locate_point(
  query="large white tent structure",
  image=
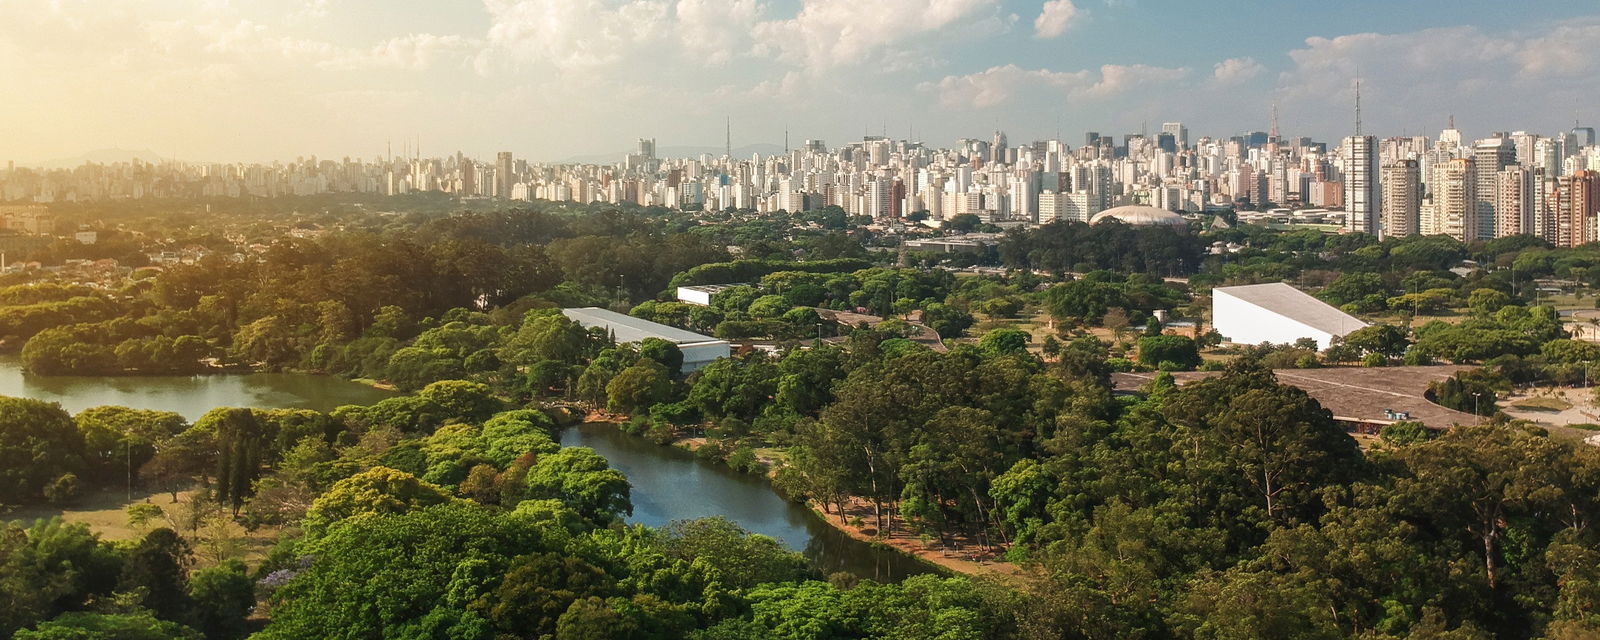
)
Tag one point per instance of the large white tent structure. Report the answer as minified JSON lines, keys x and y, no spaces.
{"x":1276,"y":313}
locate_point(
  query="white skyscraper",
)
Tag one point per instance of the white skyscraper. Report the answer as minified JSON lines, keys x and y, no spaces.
{"x":1361,"y":194}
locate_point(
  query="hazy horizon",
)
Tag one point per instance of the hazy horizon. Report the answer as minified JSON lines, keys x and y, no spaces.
{"x":253,"y":80}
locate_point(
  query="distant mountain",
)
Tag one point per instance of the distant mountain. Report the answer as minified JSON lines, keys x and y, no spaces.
{"x":100,"y":156}
{"x":763,"y":148}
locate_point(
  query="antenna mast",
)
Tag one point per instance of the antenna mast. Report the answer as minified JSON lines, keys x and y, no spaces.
{"x":1358,"y":103}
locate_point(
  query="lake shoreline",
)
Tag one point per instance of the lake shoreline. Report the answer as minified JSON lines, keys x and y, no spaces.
{"x":903,"y":542}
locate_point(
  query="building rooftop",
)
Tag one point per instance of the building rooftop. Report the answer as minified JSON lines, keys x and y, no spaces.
{"x":1298,"y":305}
{"x":626,"y":328}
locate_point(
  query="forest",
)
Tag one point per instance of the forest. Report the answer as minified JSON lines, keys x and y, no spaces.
{"x":1234,"y":507}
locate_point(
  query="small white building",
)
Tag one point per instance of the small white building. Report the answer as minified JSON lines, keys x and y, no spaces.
{"x":698,"y":350}
{"x":1276,"y":313}
{"x":700,"y":294}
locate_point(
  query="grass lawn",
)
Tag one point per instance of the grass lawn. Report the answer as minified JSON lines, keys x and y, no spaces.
{"x":105,"y":511}
{"x":1543,"y":404}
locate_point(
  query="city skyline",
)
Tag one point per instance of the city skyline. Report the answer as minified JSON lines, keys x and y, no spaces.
{"x":206,"y":80}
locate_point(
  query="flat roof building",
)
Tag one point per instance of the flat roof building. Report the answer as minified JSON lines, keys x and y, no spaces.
{"x":698,"y":350}
{"x":701,"y":293}
{"x":1276,"y":313}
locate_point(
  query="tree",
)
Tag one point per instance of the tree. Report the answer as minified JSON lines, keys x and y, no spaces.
{"x":118,"y":439}
{"x":743,"y":559}
{"x":663,"y":352}
{"x":639,"y":386}
{"x":1005,"y":342}
{"x":1487,"y":301}
{"x":223,"y":597}
{"x":539,"y":587}
{"x":49,"y":568}
{"x":1383,"y":339}
{"x":158,"y":567}
{"x":462,"y":400}
{"x":1478,"y":481}
{"x":243,"y":449}
{"x":379,"y":490}
{"x":581,"y":478}
{"x":1282,"y":445}
{"x":83,"y":625}
{"x":39,"y":445}
{"x":1180,"y":351}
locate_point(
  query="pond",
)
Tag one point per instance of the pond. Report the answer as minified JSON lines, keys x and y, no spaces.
{"x":189,"y":396}
{"x":670,"y":484}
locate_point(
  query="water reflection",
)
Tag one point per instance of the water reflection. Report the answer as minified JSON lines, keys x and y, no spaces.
{"x":670,"y":484}
{"x":189,"y":396}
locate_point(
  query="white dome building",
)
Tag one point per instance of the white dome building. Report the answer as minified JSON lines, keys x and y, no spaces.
{"x":1142,"y":216}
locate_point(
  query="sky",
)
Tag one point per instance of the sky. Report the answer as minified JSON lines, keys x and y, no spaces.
{"x":261,"y":80}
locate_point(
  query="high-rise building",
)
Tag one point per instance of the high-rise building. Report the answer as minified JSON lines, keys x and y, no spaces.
{"x":1575,"y":200}
{"x":997,"y":148}
{"x":1489,"y":157}
{"x":1180,"y":133}
{"x":1361,"y":194}
{"x":1452,"y":208}
{"x":1402,"y":199}
{"x":1513,"y":201}
{"x":1585,"y":135}
{"x":503,"y":175}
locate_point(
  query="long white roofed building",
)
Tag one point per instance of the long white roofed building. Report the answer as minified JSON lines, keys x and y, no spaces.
{"x":698,"y":350}
{"x":1276,"y":313}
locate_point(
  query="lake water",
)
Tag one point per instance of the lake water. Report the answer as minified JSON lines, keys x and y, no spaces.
{"x":670,"y":484}
{"x":189,"y":396}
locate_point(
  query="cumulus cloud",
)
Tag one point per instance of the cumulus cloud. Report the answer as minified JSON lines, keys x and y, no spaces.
{"x":1054,"y":18}
{"x":997,"y":85}
{"x":1236,"y":70}
{"x":834,"y":33}
{"x":1116,"y":78}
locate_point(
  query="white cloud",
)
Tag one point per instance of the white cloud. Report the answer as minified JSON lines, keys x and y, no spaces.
{"x":833,"y":33}
{"x":576,"y":34}
{"x":1116,"y":79}
{"x":997,"y":85}
{"x":1054,"y":18}
{"x":1236,"y":70}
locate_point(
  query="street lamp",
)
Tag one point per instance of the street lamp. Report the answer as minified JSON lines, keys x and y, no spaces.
{"x":1476,"y":397}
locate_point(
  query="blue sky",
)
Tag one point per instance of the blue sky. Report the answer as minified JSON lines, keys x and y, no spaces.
{"x":548,"y":79}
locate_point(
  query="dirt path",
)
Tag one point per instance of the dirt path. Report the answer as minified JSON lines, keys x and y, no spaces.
{"x":964,"y":556}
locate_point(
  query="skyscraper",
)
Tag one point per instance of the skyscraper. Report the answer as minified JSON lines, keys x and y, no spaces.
{"x":1361,"y":196}
{"x":1489,"y":157}
{"x":1402,"y":199}
{"x":1180,"y":133}
{"x":1576,"y":200}
{"x":502,"y":175}
{"x":1513,"y":201}
{"x":1452,"y":209}
{"x":997,"y":149}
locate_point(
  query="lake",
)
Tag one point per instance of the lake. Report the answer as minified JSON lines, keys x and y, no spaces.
{"x":670,"y":484}
{"x":189,"y":396}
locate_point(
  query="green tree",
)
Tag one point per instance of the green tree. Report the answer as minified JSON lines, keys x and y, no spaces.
{"x":1178,"y":350}
{"x":158,"y":568}
{"x":1005,"y":342}
{"x":39,"y":445}
{"x":223,"y":597}
{"x":462,"y":400}
{"x":581,"y":479}
{"x":638,"y":387}
{"x":379,"y":490}
{"x":83,"y":625}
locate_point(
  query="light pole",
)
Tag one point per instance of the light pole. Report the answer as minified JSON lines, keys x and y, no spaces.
{"x":1477,"y":396}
